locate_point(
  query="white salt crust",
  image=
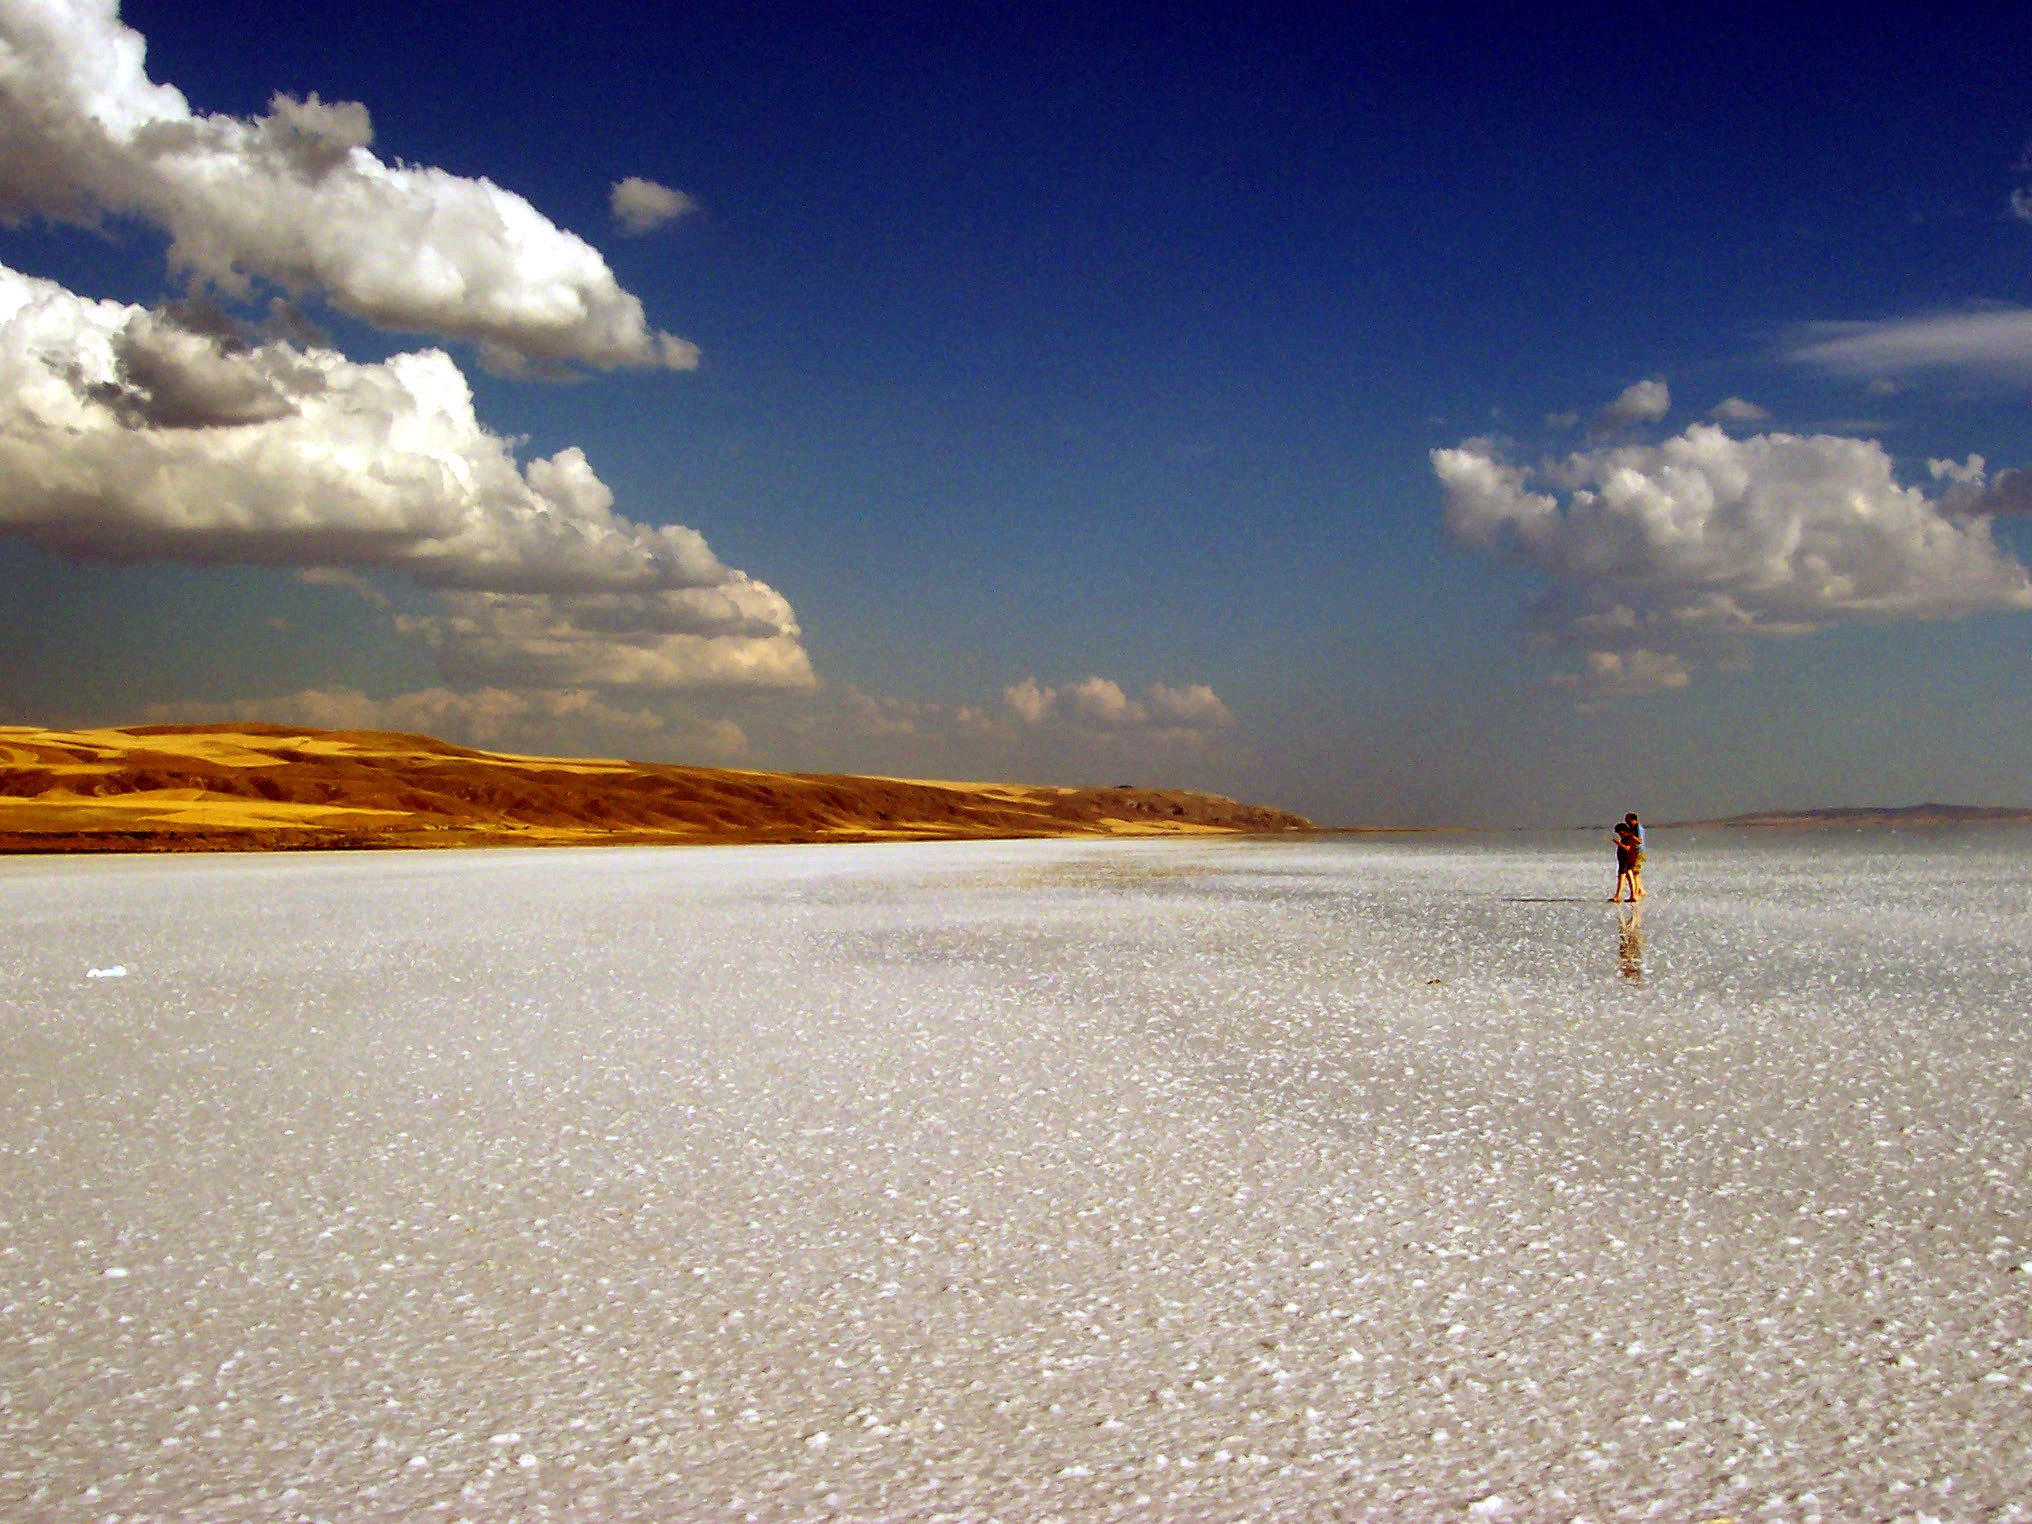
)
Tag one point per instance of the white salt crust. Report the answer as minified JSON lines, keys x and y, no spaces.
{"x":1234,"y":1180}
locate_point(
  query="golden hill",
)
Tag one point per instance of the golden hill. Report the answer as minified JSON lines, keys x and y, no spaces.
{"x":242,"y":787}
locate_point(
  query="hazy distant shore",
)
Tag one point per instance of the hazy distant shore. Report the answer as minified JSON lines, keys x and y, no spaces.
{"x":1866,"y":818}
{"x":255,"y":787}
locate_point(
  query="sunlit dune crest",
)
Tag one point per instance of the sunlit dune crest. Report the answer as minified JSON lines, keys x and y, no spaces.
{"x":252,"y":786}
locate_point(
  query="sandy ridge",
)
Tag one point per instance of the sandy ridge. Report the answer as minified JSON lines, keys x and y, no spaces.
{"x":250,"y":786}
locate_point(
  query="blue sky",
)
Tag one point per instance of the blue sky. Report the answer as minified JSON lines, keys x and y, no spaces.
{"x":1066,"y":396}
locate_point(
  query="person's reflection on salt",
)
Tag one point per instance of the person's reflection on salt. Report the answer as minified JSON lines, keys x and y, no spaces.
{"x":1630,"y":948}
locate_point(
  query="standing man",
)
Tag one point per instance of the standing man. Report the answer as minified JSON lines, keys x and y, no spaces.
{"x":1625,"y":843}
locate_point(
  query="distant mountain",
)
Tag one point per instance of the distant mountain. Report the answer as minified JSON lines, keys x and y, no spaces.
{"x":255,"y":787}
{"x":1867,"y":819}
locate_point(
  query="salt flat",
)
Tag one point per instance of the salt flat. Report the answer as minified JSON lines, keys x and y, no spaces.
{"x":1270,"y":1180}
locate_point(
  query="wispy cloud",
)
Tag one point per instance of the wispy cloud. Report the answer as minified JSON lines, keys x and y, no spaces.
{"x":1738,"y":410}
{"x":1994,"y":342}
{"x":352,"y":581}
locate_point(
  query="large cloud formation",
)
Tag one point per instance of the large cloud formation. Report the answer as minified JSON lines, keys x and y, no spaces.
{"x":1658,"y":557}
{"x":296,"y":197}
{"x":126,"y":434}
{"x":182,"y":434}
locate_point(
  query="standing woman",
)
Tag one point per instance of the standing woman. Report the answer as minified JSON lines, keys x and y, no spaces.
{"x":1636,"y":831}
{"x":1625,"y":841}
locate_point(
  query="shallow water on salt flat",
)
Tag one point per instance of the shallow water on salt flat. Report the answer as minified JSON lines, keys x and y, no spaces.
{"x":1371,"y":1177}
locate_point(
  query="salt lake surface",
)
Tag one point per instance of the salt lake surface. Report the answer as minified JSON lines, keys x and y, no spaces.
{"x":1372,"y":1178}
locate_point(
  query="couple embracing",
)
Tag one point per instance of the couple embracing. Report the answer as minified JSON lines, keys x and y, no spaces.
{"x":1629,"y":839}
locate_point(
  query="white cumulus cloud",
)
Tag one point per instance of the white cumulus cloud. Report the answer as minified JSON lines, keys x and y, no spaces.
{"x":1194,"y":705}
{"x":1030,"y":701}
{"x":125,"y":436}
{"x":1098,"y":705}
{"x":641,"y":205}
{"x":1663,"y":556}
{"x":297,"y":197}
{"x":1639,"y":402}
